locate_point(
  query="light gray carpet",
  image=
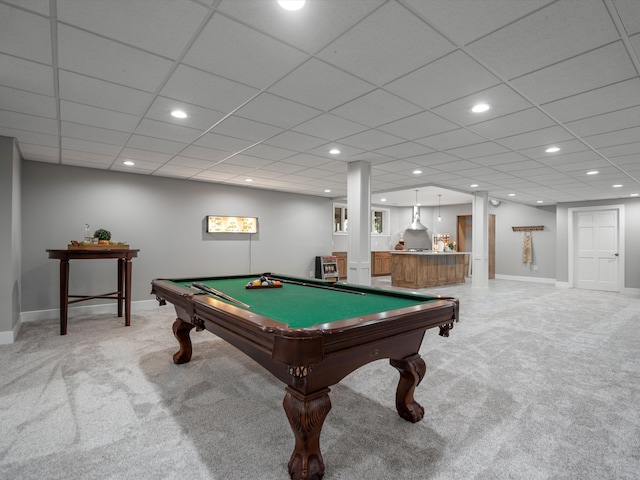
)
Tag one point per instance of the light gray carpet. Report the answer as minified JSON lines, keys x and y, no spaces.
{"x":535,"y":382}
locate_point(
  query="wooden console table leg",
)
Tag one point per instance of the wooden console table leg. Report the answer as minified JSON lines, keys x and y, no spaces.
{"x":121,"y":285}
{"x":412,"y":370}
{"x":306,"y":414}
{"x":64,"y":295}
{"x":181,"y":330}
{"x":128,"y":266}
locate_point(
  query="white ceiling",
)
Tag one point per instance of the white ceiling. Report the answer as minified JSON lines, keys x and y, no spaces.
{"x":391,"y":82}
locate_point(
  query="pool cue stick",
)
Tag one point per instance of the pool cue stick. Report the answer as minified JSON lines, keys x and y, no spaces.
{"x":315,"y":285}
{"x":213,"y":291}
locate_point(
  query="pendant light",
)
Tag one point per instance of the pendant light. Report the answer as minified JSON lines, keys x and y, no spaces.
{"x":439,"y":217}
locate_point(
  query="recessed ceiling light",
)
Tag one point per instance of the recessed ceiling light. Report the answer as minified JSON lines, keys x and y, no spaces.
{"x":592,"y":172}
{"x":383,"y":199}
{"x":334,"y":151}
{"x":635,"y":195}
{"x":327,"y":191}
{"x":552,"y":150}
{"x":291,"y":5}
{"x":473,"y":185}
{"x":178,"y":114}
{"x":617,"y":185}
{"x":248,"y":179}
{"x":129,"y":163}
{"x":512,"y":194}
{"x":481,"y":107}
{"x":417,"y":172}
{"x":540,"y":201}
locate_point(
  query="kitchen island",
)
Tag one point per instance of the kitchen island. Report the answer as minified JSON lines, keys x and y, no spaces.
{"x":424,"y":269}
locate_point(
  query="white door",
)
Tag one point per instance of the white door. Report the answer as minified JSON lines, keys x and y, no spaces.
{"x":597,"y":257}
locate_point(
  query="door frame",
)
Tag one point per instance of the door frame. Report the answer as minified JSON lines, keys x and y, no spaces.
{"x":572,"y":241}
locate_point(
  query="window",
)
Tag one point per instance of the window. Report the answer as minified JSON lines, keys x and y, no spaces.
{"x":379,"y":220}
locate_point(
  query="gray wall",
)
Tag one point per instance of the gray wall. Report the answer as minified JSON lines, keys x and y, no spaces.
{"x":165,"y":219}
{"x":10,"y":241}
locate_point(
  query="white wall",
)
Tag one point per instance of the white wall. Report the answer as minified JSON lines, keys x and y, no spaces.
{"x":165,"y":219}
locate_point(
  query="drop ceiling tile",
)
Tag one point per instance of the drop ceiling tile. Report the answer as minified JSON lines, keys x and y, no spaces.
{"x":376,"y":48}
{"x":40,"y":153}
{"x":32,"y":138}
{"x":248,"y":130}
{"x":247,"y":161}
{"x":147,"y":156}
{"x":277,"y":111}
{"x":396,"y":166}
{"x":97,"y":117}
{"x":147,"y":25}
{"x":198,"y":117}
{"x":567,"y":78}
{"x":517,"y":167}
{"x":418,"y":126}
{"x":27,"y":102}
{"x":87,"y":54}
{"x":98,"y":93}
{"x":283,"y":168}
{"x":269,"y":152}
{"x":513,"y":124}
{"x":346,"y":151}
{"x":550,"y":35}
{"x":544,"y":136}
{"x":370,"y":157}
{"x":264,"y":60}
{"x":294,"y":140}
{"x":37,"y":6}
{"x":371,"y":139}
{"x":452,"y":139}
{"x":213,"y":176}
{"x":431,"y":159}
{"x":301,"y":28}
{"x":620,"y":150}
{"x":477,"y":150}
{"x":223,"y":143}
{"x":376,"y":108}
{"x":191,"y":162}
{"x":141,"y":166}
{"x":141,"y":142}
{"x":498,"y":159}
{"x":330,"y":127}
{"x":209,"y":91}
{"x":25,"y":35}
{"x":567,"y":148}
{"x":453,"y":76}
{"x":90,"y":147}
{"x":167,"y":131}
{"x":306,"y":160}
{"x":32,"y":123}
{"x":320,"y":86}
{"x":404,"y":150}
{"x":502,"y":98}
{"x":466,"y":20}
{"x":72,"y":157}
{"x":628,"y":135}
{"x":26,"y":75}
{"x":603,"y":100}
{"x":607,"y":122}
{"x":177,"y":171}
{"x":629,"y":15}
{"x":593,"y":164}
{"x":203,"y":153}
{"x":95,"y":134}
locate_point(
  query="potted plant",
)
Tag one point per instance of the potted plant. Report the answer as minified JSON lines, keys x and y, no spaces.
{"x":103,"y":236}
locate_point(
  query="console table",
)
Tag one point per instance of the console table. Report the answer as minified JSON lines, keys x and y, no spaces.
{"x":124,"y":257}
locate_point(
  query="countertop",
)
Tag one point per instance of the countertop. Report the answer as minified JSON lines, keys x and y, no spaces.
{"x":428,"y":252}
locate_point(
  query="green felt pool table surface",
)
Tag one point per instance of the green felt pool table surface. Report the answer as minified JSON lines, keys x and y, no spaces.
{"x":303,"y":306}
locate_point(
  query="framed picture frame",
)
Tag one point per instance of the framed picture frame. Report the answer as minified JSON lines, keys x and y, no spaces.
{"x":229,"y":224}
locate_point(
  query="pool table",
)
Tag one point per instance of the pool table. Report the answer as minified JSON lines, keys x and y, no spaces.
{"x":310,"y":335}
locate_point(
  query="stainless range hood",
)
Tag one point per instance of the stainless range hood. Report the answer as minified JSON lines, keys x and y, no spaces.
{"x":416,"y":225}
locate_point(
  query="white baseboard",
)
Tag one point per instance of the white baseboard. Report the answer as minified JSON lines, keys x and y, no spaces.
{"x":526,"y":279}
{"x":10,"y":336}
{"x":36,"y":315}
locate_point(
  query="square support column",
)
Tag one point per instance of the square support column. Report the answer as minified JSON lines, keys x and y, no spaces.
{"x":480,"y":241}
{"x":359,"y":214}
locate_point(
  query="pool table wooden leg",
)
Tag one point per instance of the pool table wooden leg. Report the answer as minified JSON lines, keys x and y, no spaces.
{"x":412,"y":370}
{"x":181,"y":330}
{"x":306,"y":414}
